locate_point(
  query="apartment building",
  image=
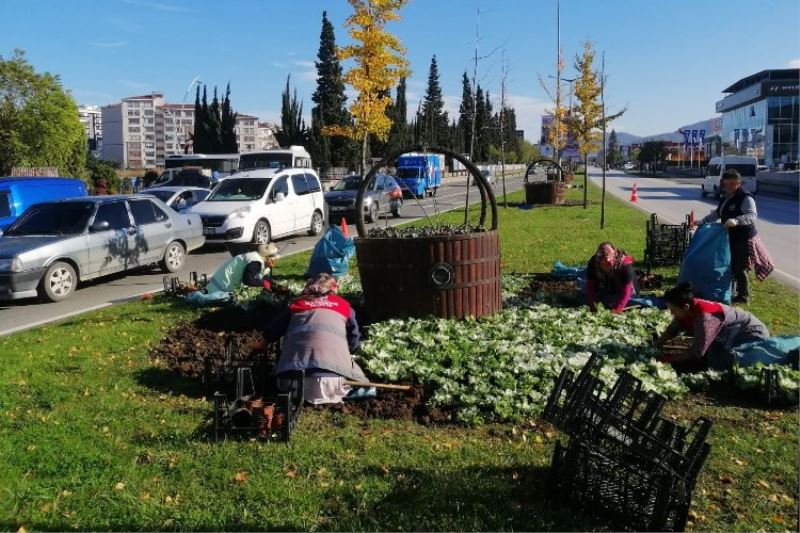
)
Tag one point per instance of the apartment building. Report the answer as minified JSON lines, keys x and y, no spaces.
{"x":177,"y":129}
{"x":245,"y":129}
{"x":129,"y":131}
{"x":91,"y":118}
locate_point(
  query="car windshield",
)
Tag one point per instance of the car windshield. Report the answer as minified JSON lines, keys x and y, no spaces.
{"x":409,"y":172}
{"x":61,"y":218}
{"x":350,"y":183}
{"x":745,"y":169}
{"x":254,"y":161}
{"x":239,"y":190}
{"x":164,"y":196}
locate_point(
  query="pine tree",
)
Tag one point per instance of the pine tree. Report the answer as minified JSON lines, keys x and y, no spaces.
{"x":330,"y":107}
{"x":293,"y":130}
{"x":214,"y":126}
{"x":466,"y":111}
{"x":228,"y":143}
{"x":435,"y":122}
{"x":613,"y":156}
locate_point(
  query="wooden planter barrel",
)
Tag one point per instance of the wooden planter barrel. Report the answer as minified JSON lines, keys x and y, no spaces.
{"x":454,"y":276}
{"x":548,"y":192}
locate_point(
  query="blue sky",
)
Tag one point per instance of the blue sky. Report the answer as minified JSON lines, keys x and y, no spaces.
{"x":667,"y":61}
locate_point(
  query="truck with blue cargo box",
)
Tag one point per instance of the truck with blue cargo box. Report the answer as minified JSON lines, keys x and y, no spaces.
{"x":419,"y":174}
{"x":19,"y":193}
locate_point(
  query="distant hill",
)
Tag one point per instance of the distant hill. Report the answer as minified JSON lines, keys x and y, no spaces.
{"x":677,"y":137}
{"x":624,"y":138}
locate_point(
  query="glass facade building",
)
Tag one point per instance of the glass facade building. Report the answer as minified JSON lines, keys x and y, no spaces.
{"x":761,"y":117}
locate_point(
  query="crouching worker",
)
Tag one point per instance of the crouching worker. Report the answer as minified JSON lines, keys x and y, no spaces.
{"x":321,"y":332}
{"x":252,"y":269}
{"x":716,"y":330}
{"x":610,"y":278}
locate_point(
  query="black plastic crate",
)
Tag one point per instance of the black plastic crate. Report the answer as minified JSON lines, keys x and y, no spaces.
{"x":665,"y":244}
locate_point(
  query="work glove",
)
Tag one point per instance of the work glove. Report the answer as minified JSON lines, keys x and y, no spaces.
{"x":731,"y":223}
{"x":267,"y":284}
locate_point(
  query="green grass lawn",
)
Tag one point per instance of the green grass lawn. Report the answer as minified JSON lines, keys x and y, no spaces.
{"x":93,"y":436}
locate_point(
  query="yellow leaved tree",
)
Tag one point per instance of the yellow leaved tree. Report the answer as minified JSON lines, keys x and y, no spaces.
{"x":379,"y":65}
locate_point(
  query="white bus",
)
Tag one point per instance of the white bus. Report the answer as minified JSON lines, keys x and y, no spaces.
{"x":276,"y":158}
{"x":217,"y":166}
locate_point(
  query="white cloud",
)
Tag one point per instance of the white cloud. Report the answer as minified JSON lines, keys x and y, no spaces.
{"x":306,"y":75}
{"x":794,"y":63}
{"x":159,"y":6}
{"x":278,"y":64}
{"x":93,"y":95}
{"x":112,"y":44}
{"x":306,"y":64}
{"x":134,"y":84}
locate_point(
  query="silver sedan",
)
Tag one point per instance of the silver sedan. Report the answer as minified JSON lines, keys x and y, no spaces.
{"x":54,"y":245}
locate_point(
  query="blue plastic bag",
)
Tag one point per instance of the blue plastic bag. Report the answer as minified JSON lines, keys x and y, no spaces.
{"x":771,"y":351}
{"x":212,"y":299}
{"x":706,"y":263}
{"x":332,"y":254}
{"x":562,"y":271}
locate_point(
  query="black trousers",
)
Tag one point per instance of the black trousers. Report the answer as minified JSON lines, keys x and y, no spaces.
{"x":741,"y":282}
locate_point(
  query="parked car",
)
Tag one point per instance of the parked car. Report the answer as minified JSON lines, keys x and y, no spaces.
{"x":260,"y":205}
{"x":179,"y":198}
{"x":55,"y":245}
{"x":630,"y":165}
{"x":383,"y":196}
{"x":487,"y":174}
{"x":18,"y":194}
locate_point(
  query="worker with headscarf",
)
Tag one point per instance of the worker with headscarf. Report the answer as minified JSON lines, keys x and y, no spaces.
{"x":320,"y":332}
{"x":610,"y":278}
{"x":251,"y":268}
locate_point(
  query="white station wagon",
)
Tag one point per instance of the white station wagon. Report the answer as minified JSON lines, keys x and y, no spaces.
{"x":260,"y":205}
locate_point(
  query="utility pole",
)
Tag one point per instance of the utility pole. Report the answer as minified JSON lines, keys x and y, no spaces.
{"x":556,"y":150}
{"x":603,"y":107}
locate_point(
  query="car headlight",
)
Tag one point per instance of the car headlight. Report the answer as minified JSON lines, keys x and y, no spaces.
{"x":367,"y":200}
{"x":240,"y":213}
{"x":11,"y":265}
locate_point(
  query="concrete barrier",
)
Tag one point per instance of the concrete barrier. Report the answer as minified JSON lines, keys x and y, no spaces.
{"x":784,"y":184}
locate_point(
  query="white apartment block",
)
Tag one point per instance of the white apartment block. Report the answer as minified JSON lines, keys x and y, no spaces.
{"x":91,"y":118}
{"x":129,"y":131}
{"x":140,"y":131}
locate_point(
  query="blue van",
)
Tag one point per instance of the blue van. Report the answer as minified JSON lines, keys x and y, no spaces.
{"x":17,"y":194}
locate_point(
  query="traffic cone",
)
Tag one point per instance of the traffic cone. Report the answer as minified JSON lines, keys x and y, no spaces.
{"x":634,"y":195}
{"x":691,"y":219}
{"x":343,"y":227}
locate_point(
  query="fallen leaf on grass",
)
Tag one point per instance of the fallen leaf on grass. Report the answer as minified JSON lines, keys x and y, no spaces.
{"x":515,"y":475}
{"x":291,"y":473}
{"x":740,"y":462}
{"x":762,"y":483}
{"x":119,"y":486}
{"x":778,"y":519}
{"x":240,"y":477}
{"x":22,"y":529}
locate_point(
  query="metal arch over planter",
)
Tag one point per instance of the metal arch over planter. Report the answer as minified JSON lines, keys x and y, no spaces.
{"x":486,"y":192}
{"x":552,"y":164}
{"x":546,"y":192}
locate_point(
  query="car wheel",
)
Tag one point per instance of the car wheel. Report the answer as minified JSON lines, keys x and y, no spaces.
{"x":58,"y":282}
{"x":716,"y":192}
{"x":316,"y":224}
{"x":398,"y":209}
{"x":262,"y":233}
{"x":372,"y":215}
{"x":174,"y":257}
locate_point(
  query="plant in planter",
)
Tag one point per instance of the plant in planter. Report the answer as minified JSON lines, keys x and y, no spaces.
{"x":549,"y":187}
{"x":445,"y":271}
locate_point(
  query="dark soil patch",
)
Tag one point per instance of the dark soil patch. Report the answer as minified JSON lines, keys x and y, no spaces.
{"x":410,"y":405}
{"x":565,"y":203}
{"x":558,"y":292}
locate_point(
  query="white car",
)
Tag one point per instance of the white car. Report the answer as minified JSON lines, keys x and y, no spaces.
{"x":746,"y":165}
{"x":261,"y":205}
{"x":179,"y":198}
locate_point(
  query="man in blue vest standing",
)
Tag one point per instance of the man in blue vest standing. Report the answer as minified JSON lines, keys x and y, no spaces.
{"x":737,"y":212}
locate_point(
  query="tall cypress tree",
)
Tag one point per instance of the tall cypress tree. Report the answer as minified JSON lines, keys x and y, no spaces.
{"x":466,"y":113}
{"x":435,"y":122}
{"x":227,"y":124}
{"x":214,"y":126}
{"x":481,"y":122}
{"x":293,"y":129}
{"x":399,"y":132}
{"x":330,"y":107}
{"x":198,"y":139}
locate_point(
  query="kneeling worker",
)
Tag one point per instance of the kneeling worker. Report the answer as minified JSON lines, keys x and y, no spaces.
{"x":320,"y":332}
{"x":252,"y":269}
{"x":610,"y":278}
{"x":716,"y":329}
